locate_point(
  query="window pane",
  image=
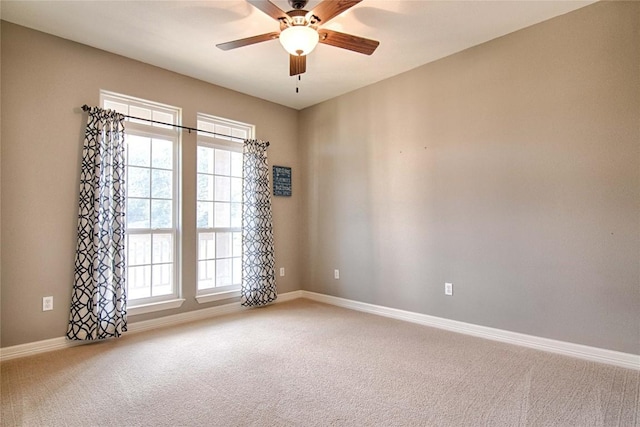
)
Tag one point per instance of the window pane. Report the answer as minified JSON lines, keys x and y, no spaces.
{"x":206,"y":274}
{"x":138,"y":215}
{"x":205,"y":160}
{"x":223,"y":189}
{"x":222,"y":162}
{"x":138,"y":282}
{"x":161,"y":213}
{"x":236,"y":164}
{"x":161,"y":153}
{"x":143,"y":113}
{"x":205,"y":125}
{"x":162,"y":280}
{"x":205,"y":214}
{"x":239,"y":133}
{"x":222,"y":215}
{"x":161,"y":185}
{"x":237,"y":244}
{"x":223,"y":272}
{"x":206,"y":246}
{"x":159,"y":116}
{"x":138,"y":150}
{"x":138,"y":249}
{"x":116,"y":106}
{"x":205,"y":187}
{"x":236,"y":190}
{"x":237,"y":271}
{"x":162,"y":248}
{"x":223,"y":245}
{"x":223,"y":131}
{"x":138,"y":182}
{"x":236,"y":215}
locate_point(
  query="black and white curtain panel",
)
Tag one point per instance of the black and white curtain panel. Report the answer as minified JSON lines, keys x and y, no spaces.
{"x":98,"y":302}
{"x":258,"y":262}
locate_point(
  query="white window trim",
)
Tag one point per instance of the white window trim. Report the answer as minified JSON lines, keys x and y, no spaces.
{"x":155,"y":306}
{"x":162,"y":302}
{"x":203,"y":139}
{"x":174,"y":300}
{"x":218,"y":296}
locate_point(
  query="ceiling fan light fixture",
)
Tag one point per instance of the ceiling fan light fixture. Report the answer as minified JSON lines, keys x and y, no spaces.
{"x":299,"y":40}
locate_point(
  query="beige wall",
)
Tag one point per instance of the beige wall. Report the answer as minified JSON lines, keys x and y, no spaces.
{"x":511,"y":169}
{"x":44,"y":82}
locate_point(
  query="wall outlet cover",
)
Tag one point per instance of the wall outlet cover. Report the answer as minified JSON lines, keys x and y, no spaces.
{"x":47,"y":303}
{"x":448,"y":288}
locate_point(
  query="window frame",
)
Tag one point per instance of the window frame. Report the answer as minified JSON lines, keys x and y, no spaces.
{"x":152,"y":130}
{"x":222,"y":143}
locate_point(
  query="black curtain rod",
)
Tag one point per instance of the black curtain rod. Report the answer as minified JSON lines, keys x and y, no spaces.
{"x":85,"y":107}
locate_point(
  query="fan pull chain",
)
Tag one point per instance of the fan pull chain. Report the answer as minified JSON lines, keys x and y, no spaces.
{"x":297,"y":81}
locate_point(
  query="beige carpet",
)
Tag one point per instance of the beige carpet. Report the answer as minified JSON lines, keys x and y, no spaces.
{"x":303,"y":363}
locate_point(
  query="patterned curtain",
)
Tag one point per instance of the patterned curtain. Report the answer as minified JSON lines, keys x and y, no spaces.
{"x":98,"y":302}
{"x":258,"y":262}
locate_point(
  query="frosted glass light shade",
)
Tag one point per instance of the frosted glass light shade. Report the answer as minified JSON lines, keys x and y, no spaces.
{"x":299,"y":40}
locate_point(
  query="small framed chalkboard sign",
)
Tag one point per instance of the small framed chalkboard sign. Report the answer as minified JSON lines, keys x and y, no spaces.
{"x":281,"y":181}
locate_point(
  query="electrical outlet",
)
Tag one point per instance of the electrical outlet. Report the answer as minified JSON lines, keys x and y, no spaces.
{"x":47,"y":303}
{"x":336,"y":274}
{"x":281,"y":271}
{"x":448,"y":288}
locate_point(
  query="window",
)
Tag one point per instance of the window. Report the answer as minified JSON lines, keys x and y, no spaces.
{"x":219,"y":206}
{"x":152,"y":176}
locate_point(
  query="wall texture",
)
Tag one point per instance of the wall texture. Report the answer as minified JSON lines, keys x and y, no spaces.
{"x":44,"y":82}
{"x":511,"y":169}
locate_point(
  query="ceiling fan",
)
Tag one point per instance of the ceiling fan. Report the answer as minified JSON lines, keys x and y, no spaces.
{"x":300,"y":31}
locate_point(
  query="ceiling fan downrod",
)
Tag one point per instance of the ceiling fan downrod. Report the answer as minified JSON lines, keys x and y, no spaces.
{"x":298,"y":4}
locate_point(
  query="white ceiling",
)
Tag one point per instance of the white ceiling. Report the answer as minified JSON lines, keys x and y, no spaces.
{"x":181,"y":36}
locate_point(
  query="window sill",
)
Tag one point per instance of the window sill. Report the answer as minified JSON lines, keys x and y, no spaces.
{"x":217,"y":296}
{"x":156,"y":306}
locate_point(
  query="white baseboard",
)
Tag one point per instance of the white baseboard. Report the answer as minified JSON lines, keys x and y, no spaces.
{"x":594,"y":354}
{"x":30,"y":349}
{"x":205,"y":313}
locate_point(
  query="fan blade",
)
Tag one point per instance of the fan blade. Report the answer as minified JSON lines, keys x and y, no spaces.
{"x":297,"y":64}
{"x":348,"y":41}
{"x":329,"y":9}
{"x":249,"y":40}
{"x":270,"y":9}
